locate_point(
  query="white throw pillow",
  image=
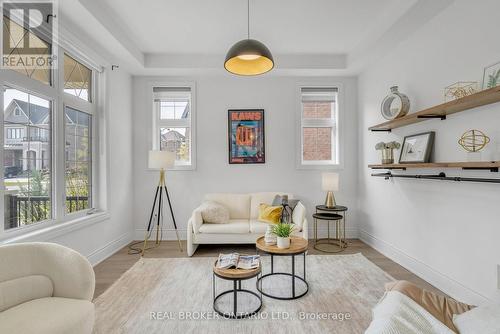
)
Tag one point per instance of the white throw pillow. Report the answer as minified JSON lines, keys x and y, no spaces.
{"x":214,"y":213}
{"x":483,"y":319}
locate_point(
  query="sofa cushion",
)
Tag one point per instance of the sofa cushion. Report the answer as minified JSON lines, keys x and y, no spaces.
{"x":234,"y":226}
{"x":23,"y":289}
{"x":214,"y":213}
{"x":53,"y":315}
{"x":298,"y":215}
{"x":258,"y":227}
{"x":264,"y":197}
{"x":484,"y":319}
{"x":237,"y":204}
{"x":278,"y":200}
{"x":270,"y":214}
{"x":441,"y":307}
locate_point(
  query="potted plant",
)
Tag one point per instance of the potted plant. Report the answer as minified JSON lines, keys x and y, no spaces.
{"x":387,"y":151}
{"x":283,"y":232}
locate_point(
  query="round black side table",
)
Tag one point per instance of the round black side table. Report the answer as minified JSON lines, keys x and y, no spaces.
{"x":298,"y":285}
{"x":236,"y":275}
{"x":337,"y":214}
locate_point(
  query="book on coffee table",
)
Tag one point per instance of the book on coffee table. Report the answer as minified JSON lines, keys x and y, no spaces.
{"x":235,"y":260}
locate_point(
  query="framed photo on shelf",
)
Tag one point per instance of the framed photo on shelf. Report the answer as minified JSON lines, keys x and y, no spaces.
{"x":246,"y":136}
{"x":491,"y":76}
{"x":417,"y":148}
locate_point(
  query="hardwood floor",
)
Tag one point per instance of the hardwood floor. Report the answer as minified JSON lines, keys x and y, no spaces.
{"x":108,"y":271}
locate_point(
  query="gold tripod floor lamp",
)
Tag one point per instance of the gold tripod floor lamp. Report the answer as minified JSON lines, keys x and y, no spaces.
{"x":161,"y":160}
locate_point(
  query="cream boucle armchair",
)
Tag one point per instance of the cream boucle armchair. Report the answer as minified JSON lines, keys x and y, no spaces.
{"x":45,"y":288}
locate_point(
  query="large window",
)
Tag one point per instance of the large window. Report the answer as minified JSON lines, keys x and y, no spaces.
{"x":27,"y":172}
{"x":48,"y":148}
{"x":319,"y":135}
{"x":173,"y":123}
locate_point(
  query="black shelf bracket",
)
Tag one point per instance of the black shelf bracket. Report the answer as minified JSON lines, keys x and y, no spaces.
{"x":441,"y":177}
{"x":491,"y":169}
{"x":380,"y":130}
{"x":441,"y":117}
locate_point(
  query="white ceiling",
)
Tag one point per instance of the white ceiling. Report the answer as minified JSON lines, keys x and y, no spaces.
{"x":316,"y":37}
{"x":285,"y":26}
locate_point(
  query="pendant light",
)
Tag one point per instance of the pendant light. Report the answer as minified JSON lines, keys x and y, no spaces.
{"x":249,"y":56}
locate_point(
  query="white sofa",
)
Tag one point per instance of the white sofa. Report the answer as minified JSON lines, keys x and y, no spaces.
{"x":243,"y":226}
{"x":45,"y":288}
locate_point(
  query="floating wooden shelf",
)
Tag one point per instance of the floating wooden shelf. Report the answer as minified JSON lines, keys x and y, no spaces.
{"x":480,"y":165}
{"x":482,"y":98}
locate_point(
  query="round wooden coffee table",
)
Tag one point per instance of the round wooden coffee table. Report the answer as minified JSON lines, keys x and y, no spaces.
{"x":298,"y":246}
{"x":235,"y":275}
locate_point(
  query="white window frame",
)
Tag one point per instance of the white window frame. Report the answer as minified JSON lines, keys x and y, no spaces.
{"x":58,"y":100}
{"x":88,"y":107}
{"x":336,"y":123}
{"x":158,"y":123}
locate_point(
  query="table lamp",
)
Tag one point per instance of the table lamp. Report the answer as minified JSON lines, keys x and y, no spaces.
{"x":330,"y":183}
{"x":161,"y":160}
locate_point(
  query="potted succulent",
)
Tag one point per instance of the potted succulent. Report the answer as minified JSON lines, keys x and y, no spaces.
{"x":387,"y":151}
{"x":283,"y":233}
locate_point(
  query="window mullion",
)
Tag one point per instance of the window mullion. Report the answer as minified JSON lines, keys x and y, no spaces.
{"x":59,"y":151}
{"x":2,"y":187}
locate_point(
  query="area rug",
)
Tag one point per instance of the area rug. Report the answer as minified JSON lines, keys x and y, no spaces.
{"x":176,"y":296}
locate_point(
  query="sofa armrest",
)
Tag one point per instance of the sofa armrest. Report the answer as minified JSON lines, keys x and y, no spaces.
{"x":196,"y":220}
{"x":71,"y":273}
{"x":305,"y":229}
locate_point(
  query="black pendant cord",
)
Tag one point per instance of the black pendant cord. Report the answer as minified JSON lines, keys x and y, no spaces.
{"x":248,"y":19}
{"x":441,"y":177}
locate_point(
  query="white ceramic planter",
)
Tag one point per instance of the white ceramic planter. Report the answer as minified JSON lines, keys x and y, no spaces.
{"x":283,"y":242}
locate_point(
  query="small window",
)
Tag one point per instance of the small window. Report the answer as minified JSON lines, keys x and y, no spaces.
{"x":77,"y":78}
{"x":319,"y":142}
{"x":173,"y":122}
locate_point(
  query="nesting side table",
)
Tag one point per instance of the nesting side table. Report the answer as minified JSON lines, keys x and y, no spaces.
{"x":337,"y":214}
{"x":236,"y":275}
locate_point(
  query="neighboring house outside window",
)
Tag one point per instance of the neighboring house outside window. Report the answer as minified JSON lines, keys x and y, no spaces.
{"x":173,"y":109}
{"x":319,"y":127}
{"x":32,"y":173}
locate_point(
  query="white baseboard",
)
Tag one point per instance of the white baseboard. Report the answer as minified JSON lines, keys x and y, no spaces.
{"x":441,"y":281}
{"x":101,"y":254}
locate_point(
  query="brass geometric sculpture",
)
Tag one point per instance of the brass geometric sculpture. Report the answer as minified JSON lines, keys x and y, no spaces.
{"x":473,"y":140}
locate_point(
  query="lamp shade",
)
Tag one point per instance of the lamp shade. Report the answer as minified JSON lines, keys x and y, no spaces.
{"x":330,"y":181}
{"x":161,"y":159}
{"x":249,"y":57}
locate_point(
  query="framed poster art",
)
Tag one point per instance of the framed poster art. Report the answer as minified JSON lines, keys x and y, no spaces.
{"x":246,"y":136}
{"x":417,"y":148}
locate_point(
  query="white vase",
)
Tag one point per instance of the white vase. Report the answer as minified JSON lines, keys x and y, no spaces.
{"x":270,"y":237}
{"x":283,"y":242}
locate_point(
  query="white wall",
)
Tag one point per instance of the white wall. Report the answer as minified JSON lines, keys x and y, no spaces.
{"x":102,"y":239}
{"x":447,"y":232}
{"x":215,"y":95}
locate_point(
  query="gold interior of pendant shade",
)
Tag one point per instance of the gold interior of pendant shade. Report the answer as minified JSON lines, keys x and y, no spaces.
{"x":256,"y":66}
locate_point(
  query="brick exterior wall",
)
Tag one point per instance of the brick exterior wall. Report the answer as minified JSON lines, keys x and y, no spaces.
{"x":317,"y":142}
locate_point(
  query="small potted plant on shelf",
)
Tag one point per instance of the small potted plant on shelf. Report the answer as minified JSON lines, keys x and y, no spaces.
{"x":283,"y":233}
{"x":387,"y":151}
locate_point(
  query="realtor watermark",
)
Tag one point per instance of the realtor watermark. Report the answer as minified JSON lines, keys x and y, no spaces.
{"x":30,"y":33}
{"x":281,"y":316}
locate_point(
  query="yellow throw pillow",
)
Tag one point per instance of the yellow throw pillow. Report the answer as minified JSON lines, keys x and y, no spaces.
{"x":270,"y":214}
